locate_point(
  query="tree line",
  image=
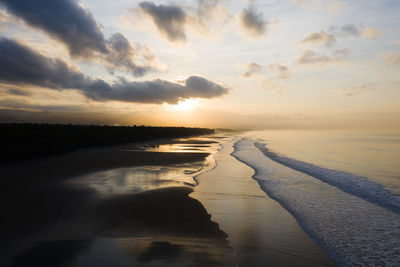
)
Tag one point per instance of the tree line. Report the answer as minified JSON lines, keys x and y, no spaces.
{"x":29,"y":140}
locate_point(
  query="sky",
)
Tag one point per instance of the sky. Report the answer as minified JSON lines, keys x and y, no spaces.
{"x":208,"y":63}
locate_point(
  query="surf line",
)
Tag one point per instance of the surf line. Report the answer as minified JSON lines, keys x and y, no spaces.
{"x":355,"y":185}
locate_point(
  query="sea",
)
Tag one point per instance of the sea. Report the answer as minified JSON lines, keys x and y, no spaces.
{"x":342,"y":187}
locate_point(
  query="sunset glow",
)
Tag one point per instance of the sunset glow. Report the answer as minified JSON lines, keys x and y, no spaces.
{"x":286,"y":64}
{"x":186,"y":105}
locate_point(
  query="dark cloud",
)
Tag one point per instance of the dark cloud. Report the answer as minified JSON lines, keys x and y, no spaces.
{"x":21,"y":65}
{"x":73,"y":25}
{"x":121,"y":53}
{"x":350,"y":30}
{"x":252,"y":22}
{"x":174,"y":21}
{"x":252,"y":68}
{"x":18,"y":92}
{"x":319,"y":38}
{"x":156,"y":91}
{"x":170,"y":20}
{"x":65,"y":20}
{"x":354,"y":31}
{"x":204,"y":88}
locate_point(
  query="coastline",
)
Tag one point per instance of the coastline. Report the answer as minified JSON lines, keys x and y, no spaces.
{"x":73,"y":204}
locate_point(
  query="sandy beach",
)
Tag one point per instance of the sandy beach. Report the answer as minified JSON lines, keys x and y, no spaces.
{"x":45,"y":213}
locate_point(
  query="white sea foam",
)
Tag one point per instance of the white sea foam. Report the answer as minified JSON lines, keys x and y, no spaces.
{"x":352,"y":230}
{"x":349,"y":183}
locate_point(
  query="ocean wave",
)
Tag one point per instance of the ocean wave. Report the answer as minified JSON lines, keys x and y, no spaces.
{"x":352,"y":230}
{"x":352,"y":184}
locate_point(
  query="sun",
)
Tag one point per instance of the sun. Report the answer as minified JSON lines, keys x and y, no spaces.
{"x":185,"y":105}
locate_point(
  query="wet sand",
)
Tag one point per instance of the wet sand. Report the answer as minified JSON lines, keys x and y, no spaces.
{"x":47,"y":220}
{"x":158,"y":220}
{"x":260,"y":231}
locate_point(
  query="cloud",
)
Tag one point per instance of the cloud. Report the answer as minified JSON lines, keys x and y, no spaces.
{"x":368,"y":87}
{"x":21,"y":65}
{"x":392,"y":58}
{"x":155,"y":91}
{"x":173,"y":21}
{"x":73,"y":25}
{"x":361,"y":88}
{"x":207,"y":7}
{"x":283,"y":71}
{"x":209,"y":16}
{"x":65,"y":20}
{"x":121,"y":54}
{"x":311,"y":57}
{"x":368,"y":33}
{"x":170,"y":20}
{"x":252,"y":68}
{"x":350,"y":30}
{"x":319,"y":38}
{"x":371,"y":33}
{"x":342,"y":52}
{"x":252,"y":23}
{"x":5,"y":20}
{"x":18,"y":92}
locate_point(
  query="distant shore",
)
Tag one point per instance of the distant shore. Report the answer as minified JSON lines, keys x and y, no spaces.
{"x":27,"y":140}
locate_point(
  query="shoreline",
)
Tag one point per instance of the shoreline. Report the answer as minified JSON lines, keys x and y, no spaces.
{"x":176,"y":220}
{"x":259,"y":229}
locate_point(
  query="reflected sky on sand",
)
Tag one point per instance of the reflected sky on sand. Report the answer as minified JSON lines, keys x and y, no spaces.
{"x":139,"y":179}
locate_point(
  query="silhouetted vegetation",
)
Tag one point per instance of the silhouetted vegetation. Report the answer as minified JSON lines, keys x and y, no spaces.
{"x":26,"y":140}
